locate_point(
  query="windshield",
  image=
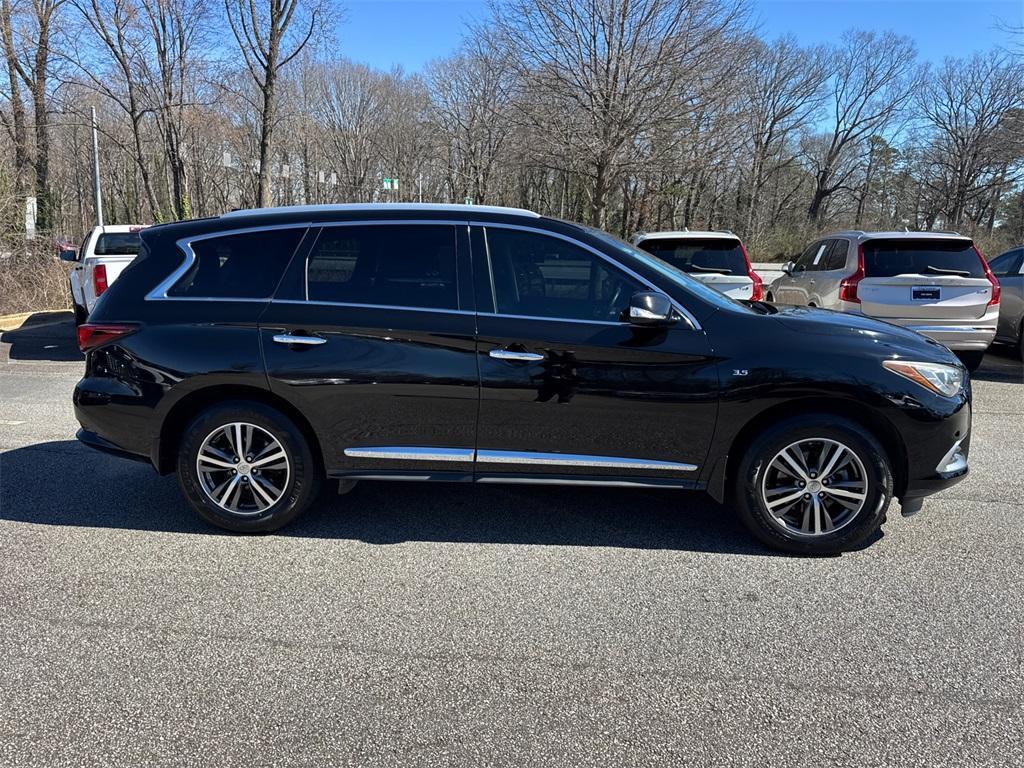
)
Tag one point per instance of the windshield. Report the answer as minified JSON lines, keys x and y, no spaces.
{"x":117,"y":244}
{"x":717,"y":255}
{"x":904,"y":256}
{"x":676,"y":275}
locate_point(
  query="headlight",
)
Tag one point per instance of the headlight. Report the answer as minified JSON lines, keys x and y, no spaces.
{"x":941,"y":379}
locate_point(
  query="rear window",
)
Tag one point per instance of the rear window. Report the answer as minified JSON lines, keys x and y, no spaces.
{"x":710,"y":256}
{"x":888,"y":258}
{"x":243,"y":266}
{"x":117,"y":244}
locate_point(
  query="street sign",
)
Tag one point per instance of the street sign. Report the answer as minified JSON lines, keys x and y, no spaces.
{"x":391,"y":184}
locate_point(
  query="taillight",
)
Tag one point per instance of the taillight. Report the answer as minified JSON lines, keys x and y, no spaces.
{"x":99,"y":278}
{"x":92,"y":335}
{"x":997,"y":289}
{"x":848,"y":288}
{"x":757,"y":291}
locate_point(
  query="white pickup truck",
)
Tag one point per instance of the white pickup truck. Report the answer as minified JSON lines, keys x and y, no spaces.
{"x":104,"y":254}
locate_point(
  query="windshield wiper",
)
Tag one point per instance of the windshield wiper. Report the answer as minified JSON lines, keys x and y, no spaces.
{"x":719,"y":270}
{"x":941,"y":271}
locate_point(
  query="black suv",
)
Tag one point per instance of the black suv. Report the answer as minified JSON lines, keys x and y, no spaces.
{"x":263,"y":351}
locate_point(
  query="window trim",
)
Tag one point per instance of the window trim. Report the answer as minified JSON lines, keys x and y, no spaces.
{"x":160,"y":292}
{"x":401,"y":222}
{"x":685,"y":313}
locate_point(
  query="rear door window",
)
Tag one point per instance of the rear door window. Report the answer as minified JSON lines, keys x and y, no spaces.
{"x":400,"y":265}
{"x":906,"y":256}
{"x":698,"y":256}
{"x":246,"y":265}
{"x":836,"y":256}
{"x":1008,"y":264}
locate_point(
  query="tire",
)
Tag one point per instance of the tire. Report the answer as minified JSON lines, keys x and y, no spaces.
{"x":1020,"y":342}
{"x":971,"y":359}
{"x":769,"y":298}
{"x":284,"y":492}
{"x":80,"y":314}
{"x":754,"y":486}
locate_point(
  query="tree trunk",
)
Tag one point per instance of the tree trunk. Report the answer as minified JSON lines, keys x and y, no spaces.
{"x":21,"y":159}
{"x":263,"y":197}
{"x":42,"y":163}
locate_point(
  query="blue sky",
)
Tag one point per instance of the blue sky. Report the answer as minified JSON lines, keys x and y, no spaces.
{"x":410,"y":33}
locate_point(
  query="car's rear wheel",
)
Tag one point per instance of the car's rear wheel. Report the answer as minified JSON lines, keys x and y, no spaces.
{"x":245,"y":467}
{"x":816,"y":484}
{"x":971,"y":359}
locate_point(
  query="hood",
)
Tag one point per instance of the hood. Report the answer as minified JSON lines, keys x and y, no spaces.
{"x":842,"y":325}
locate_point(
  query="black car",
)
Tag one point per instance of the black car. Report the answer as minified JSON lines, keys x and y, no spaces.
{"x":261,"y":352}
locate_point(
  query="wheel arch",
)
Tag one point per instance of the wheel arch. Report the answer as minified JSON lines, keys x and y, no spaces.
{"x":876,"y":424}
{"x":184,"y":410}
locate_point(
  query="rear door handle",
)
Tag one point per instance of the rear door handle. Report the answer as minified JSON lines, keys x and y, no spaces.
{"x":508,"y":354}
{"x":288,"y":338}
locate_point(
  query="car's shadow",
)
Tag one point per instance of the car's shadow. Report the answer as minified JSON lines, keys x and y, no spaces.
{"x":44,"y":336}
{"x":1002,"y":363}
{"x":64,"y":483}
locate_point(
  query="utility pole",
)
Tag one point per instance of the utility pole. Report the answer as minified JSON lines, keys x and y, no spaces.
{"x":96,"y":171}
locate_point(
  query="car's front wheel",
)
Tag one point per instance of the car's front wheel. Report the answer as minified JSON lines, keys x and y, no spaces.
{"x":816,"y":484}
{"x":245,"y":467}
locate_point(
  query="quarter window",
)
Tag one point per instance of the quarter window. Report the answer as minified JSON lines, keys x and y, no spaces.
{"x":241,"y":266}
{"x":404,"y":265}
{"x":542,"y":276}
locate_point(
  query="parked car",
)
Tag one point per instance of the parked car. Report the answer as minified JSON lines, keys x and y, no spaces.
{"x":1009,"y":271}
{"x":260,"y":352}
{"x":716,"y":258}
{"x":935,"y":283}
{"x":104,"y":254}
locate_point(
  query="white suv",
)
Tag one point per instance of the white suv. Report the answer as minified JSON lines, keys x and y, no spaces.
{"x":935,"y":283}
{"x":104,"y":254}
{"x":717,"y":258}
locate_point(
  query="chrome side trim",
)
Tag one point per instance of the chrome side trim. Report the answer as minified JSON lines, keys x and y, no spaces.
{"x":953,"y":461}
{"x":553,"y":319}
{"x":411,"y":453}
{"x":391,"y":307}
{"x":159,"y":293}
{"x":690,"y":319}
{"x":578,"y":460}
{"x":951,"y":328}
{"x":570,"y":481}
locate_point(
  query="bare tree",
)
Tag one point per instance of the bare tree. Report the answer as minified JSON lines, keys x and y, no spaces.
{"x":17,"y":124}
{"x":975,"y":109}
{"x":269,"y":37}
{"x":872,"y":78}
{"x":602,"y":73}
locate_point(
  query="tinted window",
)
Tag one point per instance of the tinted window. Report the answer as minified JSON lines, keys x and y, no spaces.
{"x":117,"y":244}
{"x":245,"y":266}
{"x":407,"y":265}
{"x":543,"y":276}
{"x":1008,"y":264}
{"x":836,"y":257}
{"x":706,"y":256}
{"x":887,"y":258}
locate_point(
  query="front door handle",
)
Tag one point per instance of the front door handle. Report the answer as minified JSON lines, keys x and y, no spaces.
{"x":288,"y":338}
{"x":508,"y":354}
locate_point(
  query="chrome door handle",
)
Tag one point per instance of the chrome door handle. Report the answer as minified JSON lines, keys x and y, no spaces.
{"x":508,"y":354}
{"x":287,"y":338}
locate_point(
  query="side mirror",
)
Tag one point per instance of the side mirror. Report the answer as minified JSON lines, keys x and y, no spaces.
{"x":68,"y":254}
{"x":651,"y":309}
{"x":787,"y":268}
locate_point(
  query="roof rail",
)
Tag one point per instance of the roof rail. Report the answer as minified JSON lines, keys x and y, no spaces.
{"x":370,"y":207}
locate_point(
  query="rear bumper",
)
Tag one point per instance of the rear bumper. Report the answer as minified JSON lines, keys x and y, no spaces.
{"x":972,"y":334}
{"x":102,"y":445}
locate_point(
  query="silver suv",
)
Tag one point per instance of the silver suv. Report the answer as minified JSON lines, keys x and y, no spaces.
{"x":935,"y":283}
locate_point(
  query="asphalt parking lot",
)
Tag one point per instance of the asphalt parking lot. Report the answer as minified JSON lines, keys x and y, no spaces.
{"x":406,"y":624}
